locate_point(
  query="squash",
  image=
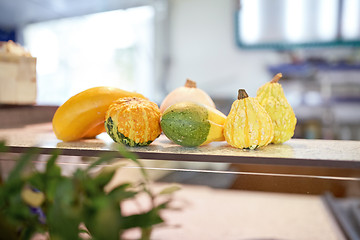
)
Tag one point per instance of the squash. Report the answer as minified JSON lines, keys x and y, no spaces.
{"x":133,"y":121}
{"x":83,"y":115}
{"x":248,"y":125}
{"x":271,"y":96}
{"x":186,"y":93}
{"x":192,"y":124}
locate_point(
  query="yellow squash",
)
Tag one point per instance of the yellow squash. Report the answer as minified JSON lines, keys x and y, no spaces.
{"x":271,"y":96}
{"x":83,"y":115}
{"x":248,"y":125}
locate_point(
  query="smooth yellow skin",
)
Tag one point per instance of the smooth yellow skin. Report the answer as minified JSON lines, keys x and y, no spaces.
{"x":271,"y":96}
{"x":83,"y":115}
{"x":217,"y":120}
{"x":216,"y":133}
{"x":248,"y":125}
{"x":216,"y":116}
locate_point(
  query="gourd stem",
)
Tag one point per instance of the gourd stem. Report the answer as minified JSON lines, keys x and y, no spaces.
{"x":242,"y":94}
{"x":190,"y":83}
{"x":276,"y":78}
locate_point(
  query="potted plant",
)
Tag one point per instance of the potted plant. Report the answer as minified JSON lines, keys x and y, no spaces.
{"x":75,"y":206}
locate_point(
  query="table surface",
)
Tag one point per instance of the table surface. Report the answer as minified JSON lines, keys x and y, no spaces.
{"x":295,"y":152}
{"x":200,"y":213}
{"x":208,"y":213}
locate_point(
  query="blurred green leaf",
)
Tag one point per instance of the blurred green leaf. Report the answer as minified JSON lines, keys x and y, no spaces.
{"x":50,"y":189}
{"x":3,"y":147}
{"x":22,"y":162}
{"x":52,"y":170}
{"x":3,"y":197}
{"x":170,"y":190}
{"x":17,"y":208}
{"x":64,"y":215}
{"x":121,"y":193}
{"x":106,"y":174}
{"x":145,"y":220}
{"x":7,"y":230}
{"x":103,"y":218}
{"x":129,"y":155}
{"x":104,"y":158}
{"x":37,"y":181}
{"x":63,"y":223}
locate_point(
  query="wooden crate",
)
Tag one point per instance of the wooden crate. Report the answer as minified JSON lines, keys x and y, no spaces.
{"x":17,"y":79}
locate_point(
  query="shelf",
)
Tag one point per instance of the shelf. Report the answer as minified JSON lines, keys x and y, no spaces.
{"x":248,"y":212}
{"x":295,"y":152}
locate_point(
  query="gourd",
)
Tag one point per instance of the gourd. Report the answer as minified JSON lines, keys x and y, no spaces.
{"x":186,"y":93}
{"x":83,"y":115}
{"x":271,"y":96}
{"x":192,"y":124}
{"x":133,"y":121}
{"x":248,"y":125}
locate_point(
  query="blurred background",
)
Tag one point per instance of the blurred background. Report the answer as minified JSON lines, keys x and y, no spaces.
{"x":152,"y":46}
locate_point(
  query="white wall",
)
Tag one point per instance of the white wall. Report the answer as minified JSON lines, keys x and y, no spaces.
{"x":203,"y":48}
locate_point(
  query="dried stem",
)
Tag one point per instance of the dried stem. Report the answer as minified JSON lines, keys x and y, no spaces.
{"x":190,"y":83}
{"x":276,"y":78}
{"x":242,"y":94}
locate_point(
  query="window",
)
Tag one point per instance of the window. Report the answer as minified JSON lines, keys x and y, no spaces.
{"x":303,"y":23}
{"x":105,"y":49}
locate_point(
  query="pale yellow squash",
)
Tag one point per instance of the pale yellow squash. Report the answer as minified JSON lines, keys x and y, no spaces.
{"x":248,"y":125}
{"x":83,"y":115}
{"x":271,"y":96}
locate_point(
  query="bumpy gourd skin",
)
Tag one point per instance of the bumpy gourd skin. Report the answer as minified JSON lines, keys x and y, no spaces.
{"x":248,"y":125}
{"x":133,"y":121}
{"x":271,"y":96}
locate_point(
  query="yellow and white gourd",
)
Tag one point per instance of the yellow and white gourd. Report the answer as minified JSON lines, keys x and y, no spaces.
{"x":187,"y":93}
{"x":248,"y":125}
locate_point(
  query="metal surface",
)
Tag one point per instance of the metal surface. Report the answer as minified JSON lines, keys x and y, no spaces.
{"x":295,"y":152}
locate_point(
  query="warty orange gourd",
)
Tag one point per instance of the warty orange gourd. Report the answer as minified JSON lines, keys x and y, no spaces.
{"x":133,"y":121}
